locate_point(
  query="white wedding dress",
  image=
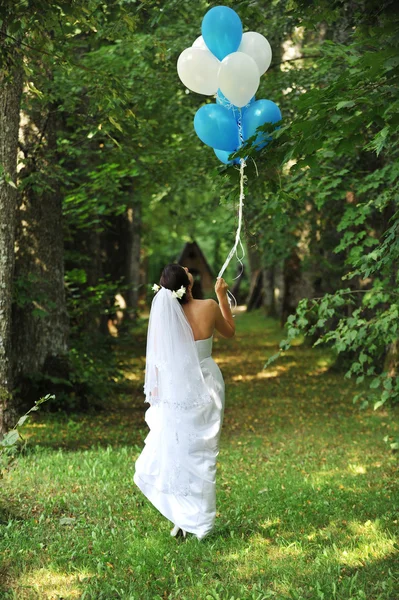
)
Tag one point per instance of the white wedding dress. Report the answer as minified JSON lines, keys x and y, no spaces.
{"x":176,"y":470}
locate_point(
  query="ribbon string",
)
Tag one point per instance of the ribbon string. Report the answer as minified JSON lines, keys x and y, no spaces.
{"x":238,"y":241}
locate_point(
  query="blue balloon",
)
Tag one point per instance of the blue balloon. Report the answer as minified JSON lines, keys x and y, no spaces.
{"x":223,"y":156}
{"x":259,"y":113}
{"x":223,"y":101}
{"x":222,"y":31}
{"x":216,"y":127}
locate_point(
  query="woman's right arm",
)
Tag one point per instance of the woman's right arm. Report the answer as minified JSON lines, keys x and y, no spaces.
{"x":224,"y":321}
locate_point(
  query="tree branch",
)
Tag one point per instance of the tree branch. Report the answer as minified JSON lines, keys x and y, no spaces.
{"x":20,"y":43}
{"x":292,"y":60}
{"x":370,"y":291}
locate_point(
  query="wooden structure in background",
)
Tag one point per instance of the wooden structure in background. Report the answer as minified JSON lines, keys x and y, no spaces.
{"x":193,"y":258}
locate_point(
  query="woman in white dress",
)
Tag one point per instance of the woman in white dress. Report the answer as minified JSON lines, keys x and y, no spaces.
{"x":176,"y":470}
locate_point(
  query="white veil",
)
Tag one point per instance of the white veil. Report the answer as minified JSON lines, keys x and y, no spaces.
{"x":173,"y":373}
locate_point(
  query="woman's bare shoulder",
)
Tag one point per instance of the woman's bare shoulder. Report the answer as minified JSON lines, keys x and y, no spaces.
{"x":209,"y":302}
{"x":207,"y":305}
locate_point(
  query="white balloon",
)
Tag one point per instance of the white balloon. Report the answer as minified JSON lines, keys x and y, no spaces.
{"x":238,"y":78}
{"x":256,"y":45}
{"x":199,"y":43}
{"x":198,"y":69}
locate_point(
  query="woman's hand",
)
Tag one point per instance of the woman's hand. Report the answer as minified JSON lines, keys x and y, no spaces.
{"x":221,"y":287}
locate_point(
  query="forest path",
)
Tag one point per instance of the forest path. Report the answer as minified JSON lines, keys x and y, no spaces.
{"x":297,"y":397}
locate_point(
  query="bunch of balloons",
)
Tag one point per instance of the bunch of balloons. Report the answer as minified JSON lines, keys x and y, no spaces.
{"x":227,"y":63}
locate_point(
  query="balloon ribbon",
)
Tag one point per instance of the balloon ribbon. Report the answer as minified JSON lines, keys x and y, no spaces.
{"x":237,"y":242}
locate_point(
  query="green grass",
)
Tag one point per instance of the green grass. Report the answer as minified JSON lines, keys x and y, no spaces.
{"x":307,"y":494}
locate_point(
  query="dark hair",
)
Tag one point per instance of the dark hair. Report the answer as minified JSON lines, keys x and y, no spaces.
{"x":173,"y":277}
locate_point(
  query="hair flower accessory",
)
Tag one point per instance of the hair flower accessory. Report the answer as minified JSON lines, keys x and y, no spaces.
{"x":156,"y":287}
{"x":180,"y":292}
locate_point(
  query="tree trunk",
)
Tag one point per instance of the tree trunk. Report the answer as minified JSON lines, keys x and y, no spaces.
{"x":254,"y":260}
{"x":269,"y":301}
{"x":40,"y":323}
{"x":10,"y":99}
{"x":255,"y":297}
{"x":292,"y":276}
{"x":133,"y":217}
{"x":93,"y":323}
{"x":391,"y":364}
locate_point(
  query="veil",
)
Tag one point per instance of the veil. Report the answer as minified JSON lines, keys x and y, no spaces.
{"x":173,"y":375}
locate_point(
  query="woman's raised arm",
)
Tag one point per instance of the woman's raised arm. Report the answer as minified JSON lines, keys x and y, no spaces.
{"x":224,"y":322}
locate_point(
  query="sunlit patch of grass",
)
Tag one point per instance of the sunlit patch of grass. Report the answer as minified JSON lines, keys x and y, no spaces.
{"x":357,"y":469}
{"x":49,"y":584}
{"x":364,"y":543}
{"x":307,"y":493}
{"x":264,"y":374}
{"x":319,"y":370}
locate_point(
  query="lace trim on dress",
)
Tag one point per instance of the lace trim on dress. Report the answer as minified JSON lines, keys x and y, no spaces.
{"x":154,"y":401}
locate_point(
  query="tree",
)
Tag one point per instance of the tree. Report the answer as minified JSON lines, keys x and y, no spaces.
{"x":29,"y":341}
{"x":11,"y":77}
{"x":339,"y":154}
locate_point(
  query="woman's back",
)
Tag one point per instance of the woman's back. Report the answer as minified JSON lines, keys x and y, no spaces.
{"x":201,"y":316}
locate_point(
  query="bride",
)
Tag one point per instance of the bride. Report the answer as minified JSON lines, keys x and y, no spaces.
{"x":176,"y":470}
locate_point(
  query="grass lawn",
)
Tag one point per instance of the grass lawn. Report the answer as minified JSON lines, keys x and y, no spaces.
{"x":308,"y":501}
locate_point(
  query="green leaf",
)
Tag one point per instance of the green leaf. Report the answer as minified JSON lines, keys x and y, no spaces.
{"x":22,"y":420}
{"x":10,"y":439}
{"x":378,"y":404}
{"x":380,"y":140}
{"x":375,"y":383}
{"x":115,"y":124}
{"x":345,"y":104}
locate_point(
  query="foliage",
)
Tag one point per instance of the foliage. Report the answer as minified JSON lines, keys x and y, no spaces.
{"x":367,"y":340}
{"x":11,"y":440}
{"x":95,"y":375}
{"x":123,"y":136}
{"x":336,"y":195}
